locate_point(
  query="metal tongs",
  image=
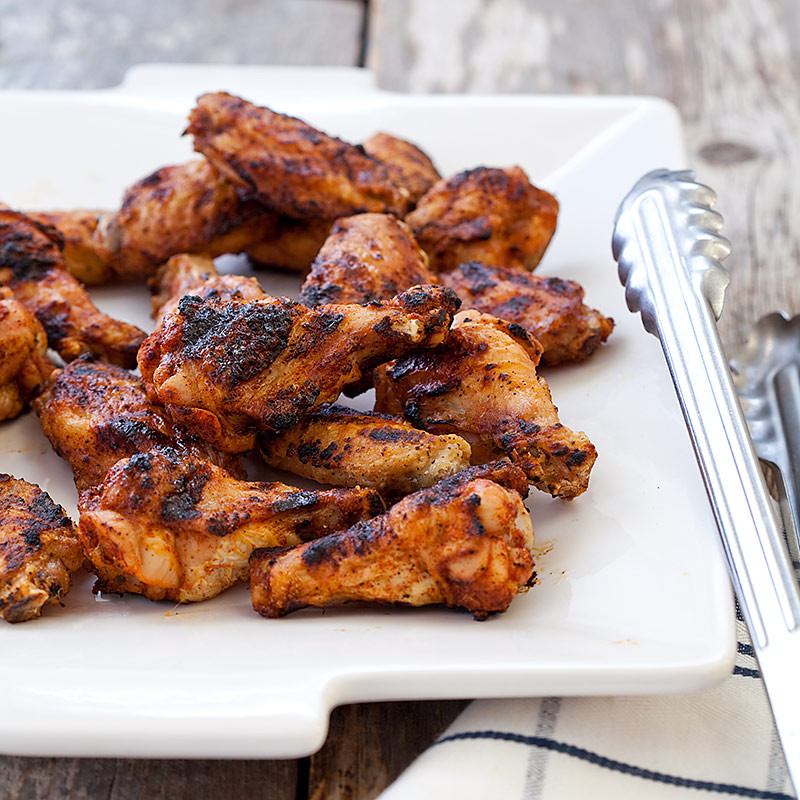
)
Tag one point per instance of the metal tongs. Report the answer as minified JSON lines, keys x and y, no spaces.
{"x":667,"y":243}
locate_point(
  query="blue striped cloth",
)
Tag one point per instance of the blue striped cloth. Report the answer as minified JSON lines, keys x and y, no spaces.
{"x":720,"y":742}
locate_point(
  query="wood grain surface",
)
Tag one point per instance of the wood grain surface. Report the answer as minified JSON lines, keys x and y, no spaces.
{"x":732,"y":67}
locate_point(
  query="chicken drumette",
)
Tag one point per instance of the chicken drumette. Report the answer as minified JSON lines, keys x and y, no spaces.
{"x":466,"y":542}
{"x":492,"y":215}
{"x":343,"y":447}
{"x":95,"y":414}
{"x":32,"y":266}
{"x":24,"y":366}
{"x":225,"y":369}
{"x":39,"y":550}
{"x":482,"y":384}
{"x":366,"y":257}
{"x":550,"y":309}
{"x":291,"y":167}
{"x":171,"y":526}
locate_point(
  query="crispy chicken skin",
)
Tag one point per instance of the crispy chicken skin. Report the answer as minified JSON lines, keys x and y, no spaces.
{"x":482,"y":384}
{"x":187,"y":208}
{"x":408,"y":166}
{"x":87,"y":255}
{"x":342,"y":447}
{"x":491,"y":215}
{"x":550,"y":309}
{"x":226,"y":368}
{"x":292,"y":246}
{"x":174,"y":527}
{"x":24,"y":366}
{"x":95,"y":414}
{"x":39,"y":550}
{"x":366,"y":257}
{"x":196,"y":275}
{"x":291,"y":167}
{"x":466,"y":542}
{"x":32,"y":266}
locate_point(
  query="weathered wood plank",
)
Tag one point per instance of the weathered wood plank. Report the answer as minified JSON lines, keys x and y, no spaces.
{"x":126,"y":779}
{"x":370,"y":744}
{"x":83,"y":44}
{"x":732,"y":68}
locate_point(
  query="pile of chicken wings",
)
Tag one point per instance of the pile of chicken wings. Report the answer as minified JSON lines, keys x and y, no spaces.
{"x":417,"y":286}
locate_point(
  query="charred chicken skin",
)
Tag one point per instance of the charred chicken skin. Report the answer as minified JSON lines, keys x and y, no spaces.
{"x":96,"y":414}
{"x":366,"y":257}
{"x":39,"y":550}
{"x":408,"y":166}
{"x":225,"y":369}
{"x":343,"y":447}
{"x":32,"y":266}
{"x":466,"y":542}
{"x":291,"y":167}
{"x":196,"y":275}
{"x":482,"y":384}
{"x":550,"y":309}
{"x":491,"y":215}
{"x":174,"y":527}
{"x":24,"y":366}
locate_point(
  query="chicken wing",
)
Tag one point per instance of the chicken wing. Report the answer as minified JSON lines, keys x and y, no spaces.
{"x":466,"y":542}
{"x":408,"y":166}
{"x":188,"y":208}
{"x":550,"y":309}
{"x":292,"y":246}
{"x":482,"y":384}
{"x":196,"y":275}
{"x":174,"y":527}
{"x":224,"y":368}
{"x":32,"y":266}
{"x":342,"y":447}
{"x":24,"y":366}
{"x":491,"y":215}
{"x":87,"y":255}
{"x":39,"y":550}
{"x":291,"y":167}
{"x":366,"y":257}
{"x":95,"y":414}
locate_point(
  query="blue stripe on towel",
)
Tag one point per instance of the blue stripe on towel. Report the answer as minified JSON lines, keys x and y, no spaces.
{"x":618,"y":766}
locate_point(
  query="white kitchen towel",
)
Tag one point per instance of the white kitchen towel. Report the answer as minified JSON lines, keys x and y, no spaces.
{"x":721,"y":742}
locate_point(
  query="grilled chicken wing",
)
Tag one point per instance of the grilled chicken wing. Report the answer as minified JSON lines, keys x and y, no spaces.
{"x":196,"y":275}
{"x":408,"y":166}
{"x":32,"y":266}
{"x":292,"y":246}
{"x":39,"y":550}
{"x":292,"y":168}
{"x":87,"y":255}
{"x":366,"y":257}
{"x":466,"y":542}
{"x":24,"y":366}
{"x":174,"y":527}
{"x":482,"y":384}
{"x":343,"y":447}
{"x":491,"y":215}
{"x":188,"y":208}
{"x":96,"y":414}
{"x":550,"y":309}
{"x":224,"y":368}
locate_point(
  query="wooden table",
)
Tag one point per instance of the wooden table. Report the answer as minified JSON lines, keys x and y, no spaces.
{"x":732,"y":67}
